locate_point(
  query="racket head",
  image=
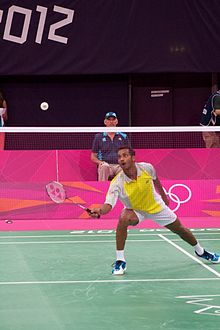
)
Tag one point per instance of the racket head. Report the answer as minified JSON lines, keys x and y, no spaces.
{"x":56,"y":192}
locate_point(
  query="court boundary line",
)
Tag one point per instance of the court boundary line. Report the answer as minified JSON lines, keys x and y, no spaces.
{"x":96,"y":241}
{"x":100,"y":235}
{"x":200,"y":296}
{"x":115,"y":280}
{"x":189,"y":255}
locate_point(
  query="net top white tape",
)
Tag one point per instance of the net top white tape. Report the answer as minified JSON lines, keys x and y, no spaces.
{"x":110,"y":129}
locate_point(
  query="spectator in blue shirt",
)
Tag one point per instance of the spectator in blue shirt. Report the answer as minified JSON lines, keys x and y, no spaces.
{"x":211,"y":117}
{"x":105,"y":149}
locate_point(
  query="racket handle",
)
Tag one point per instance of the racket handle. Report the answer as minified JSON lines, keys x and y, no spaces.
{"x":90,"y":213}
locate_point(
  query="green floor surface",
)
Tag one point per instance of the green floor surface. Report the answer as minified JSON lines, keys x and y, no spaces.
{"x":63,"y":281}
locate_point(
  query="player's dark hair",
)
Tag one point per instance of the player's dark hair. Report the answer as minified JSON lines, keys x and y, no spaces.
{"x":130,"y":150}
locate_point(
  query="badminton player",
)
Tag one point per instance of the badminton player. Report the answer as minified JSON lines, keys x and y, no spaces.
{"x":143,"y":197}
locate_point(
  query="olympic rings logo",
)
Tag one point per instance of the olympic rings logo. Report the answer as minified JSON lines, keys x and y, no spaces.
{"x":171,"y":193}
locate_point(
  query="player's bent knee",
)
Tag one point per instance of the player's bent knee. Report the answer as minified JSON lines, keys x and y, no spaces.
{"x":133,"y":222}
{"x":123,"y":220}
{"x":126,"y":220}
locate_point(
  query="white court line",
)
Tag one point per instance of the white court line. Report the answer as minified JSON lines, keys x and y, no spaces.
{"x":78,"y":242}
{"x":115,"y":280}
{"x":95,"y":241}
{"x":101,"y":235}
{"x":206,"y":239}
{"x":200,"y":296}
{"x":189,"y":255}
{"x":100,"y":241}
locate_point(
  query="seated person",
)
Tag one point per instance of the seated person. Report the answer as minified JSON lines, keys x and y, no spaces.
{"x":3,"y":118}
{"x":105,"y":149}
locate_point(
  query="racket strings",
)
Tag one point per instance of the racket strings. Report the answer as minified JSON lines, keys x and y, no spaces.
{"x":57,"y":194}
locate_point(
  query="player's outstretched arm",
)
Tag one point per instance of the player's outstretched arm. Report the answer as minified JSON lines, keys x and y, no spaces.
{"x":103,"y":209}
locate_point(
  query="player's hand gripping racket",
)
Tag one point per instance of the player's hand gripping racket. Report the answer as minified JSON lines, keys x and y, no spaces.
{"x":57,"y":194}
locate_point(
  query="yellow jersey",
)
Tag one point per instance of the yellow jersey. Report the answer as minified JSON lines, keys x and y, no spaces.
{"x":139,"y":194}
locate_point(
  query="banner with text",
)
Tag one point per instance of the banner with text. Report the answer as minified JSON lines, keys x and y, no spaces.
{"x":97,"y":37}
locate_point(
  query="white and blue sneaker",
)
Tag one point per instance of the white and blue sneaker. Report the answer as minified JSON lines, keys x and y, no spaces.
{"x":213,"y":257}
{"x":119,"y":267}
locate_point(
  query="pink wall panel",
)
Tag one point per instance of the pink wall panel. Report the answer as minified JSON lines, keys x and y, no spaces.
{"x":190,"y":177}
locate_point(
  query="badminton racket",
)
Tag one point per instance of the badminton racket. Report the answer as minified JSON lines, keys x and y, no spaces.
{"x":57,"y":194}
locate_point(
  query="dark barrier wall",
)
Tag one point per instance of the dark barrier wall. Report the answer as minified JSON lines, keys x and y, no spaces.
{"x":169,"y":99}
{"x":73,"y":101}
{"x":108,"y":36}
{"x":88,"y":57}
{"x":84,"y":100}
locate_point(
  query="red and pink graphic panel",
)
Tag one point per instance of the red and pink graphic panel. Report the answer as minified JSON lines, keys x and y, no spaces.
{"x":189,"y":176}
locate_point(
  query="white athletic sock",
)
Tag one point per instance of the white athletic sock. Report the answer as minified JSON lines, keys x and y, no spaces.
{"x":199,"y":249}
{"x":120,"y":255}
